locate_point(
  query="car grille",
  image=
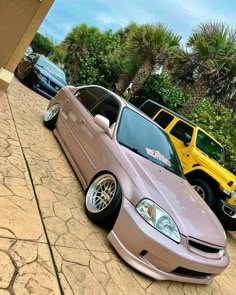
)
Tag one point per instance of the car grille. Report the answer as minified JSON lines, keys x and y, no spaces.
{"x":55,"y":86}
{"x":190,"y":273}
{"x":203,"y":247}
{"x":205,"y":250}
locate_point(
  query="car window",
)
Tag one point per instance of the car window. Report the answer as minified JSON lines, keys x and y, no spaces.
{"x":148,"y":140}
{"x":89,"y":96}
{"x":149,"y":108}
{"x":180,"y":128}
{"x":108,"y":107}
{"x":163,"y":119}
{"x":210,"y":146}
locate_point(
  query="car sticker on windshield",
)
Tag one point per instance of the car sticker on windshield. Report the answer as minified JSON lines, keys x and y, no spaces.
{"x":159,"y":156}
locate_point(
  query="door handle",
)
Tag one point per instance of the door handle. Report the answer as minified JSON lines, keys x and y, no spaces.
{"x":82,"y":120}
{"x":67,"y":101}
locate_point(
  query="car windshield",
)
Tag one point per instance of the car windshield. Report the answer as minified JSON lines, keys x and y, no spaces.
{"x":210,"y":147}
{"x":51,"y":68}
{"x":148,"y":140}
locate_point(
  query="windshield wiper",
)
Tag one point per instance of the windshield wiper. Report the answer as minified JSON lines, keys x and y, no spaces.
{"x":41,"y":66}
{"x":168,"y":168}
{"x":134,"y":150}
{"x":142,"y":155}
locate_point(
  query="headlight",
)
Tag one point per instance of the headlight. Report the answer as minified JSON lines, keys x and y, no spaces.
{"x":42,"y":78}
{"x":159,"y":219}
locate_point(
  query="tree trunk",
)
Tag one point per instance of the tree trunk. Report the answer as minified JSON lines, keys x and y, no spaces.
{"x":140,"y":77}
{"x":75,"y":73}
{"x":198,"y":92}
{"x":123,"y":84}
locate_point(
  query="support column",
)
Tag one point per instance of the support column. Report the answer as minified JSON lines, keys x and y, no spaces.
{"x":19,"y":22}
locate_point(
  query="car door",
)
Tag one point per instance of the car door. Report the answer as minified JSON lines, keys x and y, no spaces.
{"x":67,"y":117}
{"x":176,"y":133}
{"x":70,"y":111}
{"x":86,"y":141}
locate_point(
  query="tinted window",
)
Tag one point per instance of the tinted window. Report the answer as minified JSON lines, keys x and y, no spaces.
{"x":210,"y":147}
{"x":163,"y":119}
{"x":148,"y":140}
{"x":108,"y":107}
{"x":150,"y":108}
{"x":180,"y":128}
{"x":90,"y":96}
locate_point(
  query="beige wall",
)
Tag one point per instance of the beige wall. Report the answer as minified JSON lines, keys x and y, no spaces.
{"x":19,"y":21}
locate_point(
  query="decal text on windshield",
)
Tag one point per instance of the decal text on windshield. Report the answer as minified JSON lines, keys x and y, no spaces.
{"x":159,"y":156}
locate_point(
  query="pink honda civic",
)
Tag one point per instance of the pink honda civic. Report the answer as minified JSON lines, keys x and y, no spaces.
{"x":135,"y":184}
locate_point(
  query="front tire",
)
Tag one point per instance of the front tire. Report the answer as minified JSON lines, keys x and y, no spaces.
{"x":51,"y":116}
{"x":103,"y":200}
{"x":204,"y":190}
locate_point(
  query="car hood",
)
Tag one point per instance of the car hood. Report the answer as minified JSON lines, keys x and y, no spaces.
{"x":175,"y":195}
{"x":50,"y":76}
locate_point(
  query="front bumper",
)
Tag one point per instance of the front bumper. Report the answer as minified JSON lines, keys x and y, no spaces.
{"x":157,"y":256}
{"x":228,"y":210}
{"x":44,"y":89}
{"x":227,"y":215}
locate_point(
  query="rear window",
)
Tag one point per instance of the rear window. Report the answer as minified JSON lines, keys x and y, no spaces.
{"x":163,"y":119}
{"x":108,"y":107}
{"x":150,"y":108}
{"x":89,"y":96}
{"x":180,"y":128}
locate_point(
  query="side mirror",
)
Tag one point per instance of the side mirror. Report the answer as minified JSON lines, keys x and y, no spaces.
{"x":186,"y":139}
{"x":103,"y":123}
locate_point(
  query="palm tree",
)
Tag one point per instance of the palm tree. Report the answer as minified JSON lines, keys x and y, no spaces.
{"x":209,"y":65}
{"x":214,"y":45}
{"x":129,"y":63}
{"x":151,"y":44}
{"x":78,"y":42}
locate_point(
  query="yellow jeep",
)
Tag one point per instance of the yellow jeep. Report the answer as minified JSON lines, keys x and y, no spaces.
{"x":202,"y":158}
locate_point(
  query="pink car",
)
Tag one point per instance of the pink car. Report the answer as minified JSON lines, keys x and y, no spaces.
{"x":134,"y":183}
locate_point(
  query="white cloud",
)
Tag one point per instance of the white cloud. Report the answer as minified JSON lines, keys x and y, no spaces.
{"x":107,"y":19}
{"x":200,"y":10}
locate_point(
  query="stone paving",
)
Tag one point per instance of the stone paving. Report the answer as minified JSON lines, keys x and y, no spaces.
{"x":33,"y":168}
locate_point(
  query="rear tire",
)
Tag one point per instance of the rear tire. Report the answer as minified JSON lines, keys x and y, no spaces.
{"x":103,"y":200}
{"x":51,"y":116}
{"x":204,"y":190}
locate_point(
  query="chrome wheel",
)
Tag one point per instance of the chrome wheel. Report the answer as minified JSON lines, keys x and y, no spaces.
{"x":101,"y":193}
{"x":200,"y":191}
{"x":52,"y":113}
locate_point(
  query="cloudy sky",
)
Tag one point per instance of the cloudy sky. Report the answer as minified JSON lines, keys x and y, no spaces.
{"x":181,"y":15}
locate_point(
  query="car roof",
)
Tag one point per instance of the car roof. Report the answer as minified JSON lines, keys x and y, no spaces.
{"x":184,"y":119}
{"x":172,"y":112}
{"x":123,"y":102}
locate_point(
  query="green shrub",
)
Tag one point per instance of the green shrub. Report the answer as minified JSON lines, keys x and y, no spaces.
{"x":221,"y":124}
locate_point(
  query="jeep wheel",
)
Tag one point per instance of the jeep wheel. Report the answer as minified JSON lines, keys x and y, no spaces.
{"x":204,"y":190}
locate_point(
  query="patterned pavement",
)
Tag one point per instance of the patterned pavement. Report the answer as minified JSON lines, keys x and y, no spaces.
{"x":47,"y":244}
